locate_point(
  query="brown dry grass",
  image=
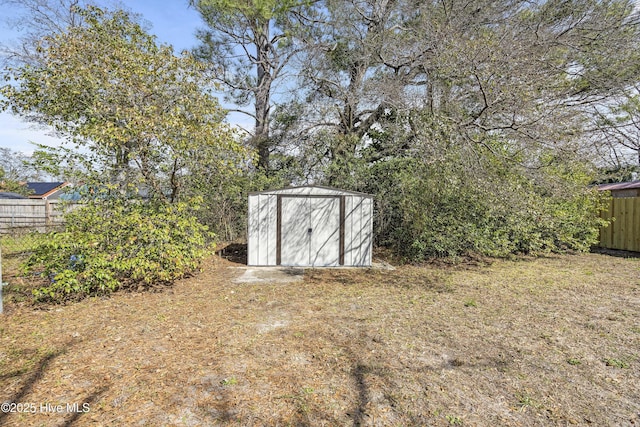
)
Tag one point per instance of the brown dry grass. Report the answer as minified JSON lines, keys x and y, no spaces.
{"x":552,"y":341}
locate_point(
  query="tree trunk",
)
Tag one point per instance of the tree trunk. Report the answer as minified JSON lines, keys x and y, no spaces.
{"x":261,"y":140}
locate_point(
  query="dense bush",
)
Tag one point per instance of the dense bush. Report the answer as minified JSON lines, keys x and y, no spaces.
{"x":444,"y":209}
{"x":225,"y":202}
{"x":111,"y":244}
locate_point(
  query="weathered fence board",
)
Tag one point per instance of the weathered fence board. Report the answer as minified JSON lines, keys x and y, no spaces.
{"x":624,"y":231}
{"x":31,"y":215}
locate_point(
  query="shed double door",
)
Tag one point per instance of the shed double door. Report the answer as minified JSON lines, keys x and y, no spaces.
{"x":310,"y":231}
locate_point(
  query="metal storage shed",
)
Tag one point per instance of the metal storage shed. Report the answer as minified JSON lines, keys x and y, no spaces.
{"x":310,"y":226}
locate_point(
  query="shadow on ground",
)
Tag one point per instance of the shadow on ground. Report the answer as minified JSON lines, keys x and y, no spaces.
{"x":234,"y":252}
{"x":616,"y":253}
{"x":36,"y":374}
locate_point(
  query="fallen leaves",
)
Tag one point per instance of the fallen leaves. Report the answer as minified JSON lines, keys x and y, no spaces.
{"x":341,"y":347}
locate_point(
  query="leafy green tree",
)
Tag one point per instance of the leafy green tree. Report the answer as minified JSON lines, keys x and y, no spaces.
{"x":15,"y":170}
{"x":136,"y":117}
{"x":137,"y":111}
{"x":10,"y":185}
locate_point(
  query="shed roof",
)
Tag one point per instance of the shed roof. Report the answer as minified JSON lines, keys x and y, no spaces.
{"x":311,"y":190}
{"x":619,"y":186}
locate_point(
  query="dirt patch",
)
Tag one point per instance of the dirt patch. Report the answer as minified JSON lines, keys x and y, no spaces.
{"x":541,"y":342}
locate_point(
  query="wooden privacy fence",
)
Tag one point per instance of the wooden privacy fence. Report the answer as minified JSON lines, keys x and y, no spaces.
{"x":624,"y":231}
{"x":31,"y":214}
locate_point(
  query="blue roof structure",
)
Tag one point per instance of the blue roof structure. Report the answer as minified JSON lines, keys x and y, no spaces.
{"x":9,"y":195}
{"x":42,"y":188}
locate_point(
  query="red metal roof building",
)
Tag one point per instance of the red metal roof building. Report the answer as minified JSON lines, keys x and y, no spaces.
{"x":622,"y":189}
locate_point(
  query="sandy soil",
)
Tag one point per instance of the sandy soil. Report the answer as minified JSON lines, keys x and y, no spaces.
{"x":552,"y":341}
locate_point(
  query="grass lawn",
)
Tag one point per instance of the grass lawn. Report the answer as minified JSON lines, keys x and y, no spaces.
{"x":551,"y":341}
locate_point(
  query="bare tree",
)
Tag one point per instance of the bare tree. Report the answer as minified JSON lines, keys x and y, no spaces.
{"x":17,"y":166}
{"x":619,"y":124}
{"x":250,"y":45}
{"x":34,"y":19}
{"x":522,"y":72}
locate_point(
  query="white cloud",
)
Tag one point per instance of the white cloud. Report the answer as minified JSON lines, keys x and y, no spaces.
{"x":20,"y":136}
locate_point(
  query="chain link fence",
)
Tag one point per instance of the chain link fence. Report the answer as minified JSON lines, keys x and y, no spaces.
{"x":18,"y":243}
{"x":22,"y":225}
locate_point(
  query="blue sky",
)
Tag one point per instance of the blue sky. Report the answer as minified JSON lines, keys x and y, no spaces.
{"x":173,"y":22}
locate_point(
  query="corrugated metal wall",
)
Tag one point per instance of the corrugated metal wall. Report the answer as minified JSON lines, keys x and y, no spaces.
{"x":261,"y":239}
{"x":624,"y":232}
{"x":265,"y":229}
{"x":358,"y":230}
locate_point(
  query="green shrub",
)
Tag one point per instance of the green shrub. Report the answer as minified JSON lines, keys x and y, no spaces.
{"x":113,"y":244}
{"x":446,"y":209}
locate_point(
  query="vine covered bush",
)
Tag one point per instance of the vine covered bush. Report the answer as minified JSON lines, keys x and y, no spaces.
{"x":113,"y":244}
